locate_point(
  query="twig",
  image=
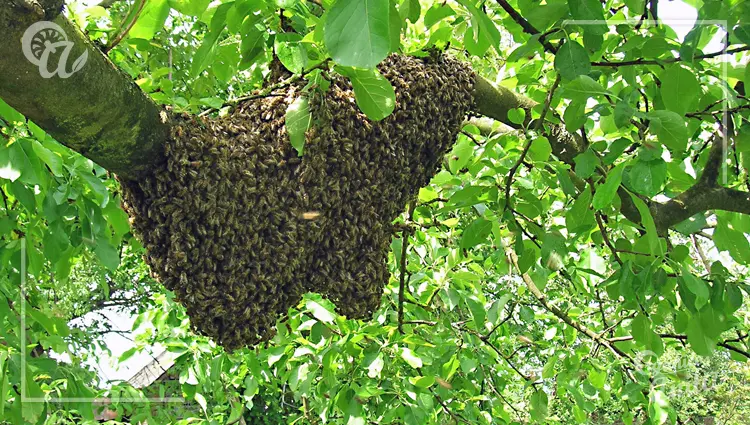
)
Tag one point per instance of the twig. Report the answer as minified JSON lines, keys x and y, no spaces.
{"x":723,"y":344}
{"x":126,"y":30}
{"x":605,"y":237}
{"x":502,"y":322}
{"x":268,"y":91}
{"x":670,"y":60}
{"x":538,"y":126}
{"x":526,"y":25}
{"x":564,"y":317}
{"x":420,"y":322}
{"x":701,"y":254}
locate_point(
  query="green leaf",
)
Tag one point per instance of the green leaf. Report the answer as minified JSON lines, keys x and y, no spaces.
{"x":290,"y":52}
{"x":584,"y":87}
{"x":52,"y":326}
{"x":647,"y":177}
{"x":298,"y":119}
{"x":517,"y":115}
{"x":729,"y":238}
{"x":357,"y":32}
{"x":697,"y":338}
{"x":580,"y":218}
{"x":692,"y":224}
{"x":205,"y":52}
{"x":670,"y":129}
{"x":422,"y":381}
{"x":96,"y":185}
{"x":437,"y":13}
{"x":482,"y":33}
{"x":412,"y":359}
{"x":9,"y":114}
{"x":742,"y":32}
{"x":696,"y":286}
{"x":659,"y":410}
{"x":575,"y":115}
{"x":253,"y":42}
{"x":623,"y":113}
{"x":572,"y":60}
{"x":679,"y":89}
{"x":590,"y":11}
{"x":53,"y":160}
{"x":539,"y":406}
{"x":476,"y":233}
{"x":319,"y":312}
{"x":374,"y":94}
{"x":8,"y":169}
{"x":606,"y":192}
{"x":127,"y":354}
{"x":461,"y":154}
{"x":410,"y":9}
{"x":647,"y":220}
{"x":190,"y":7}
{"x":108,"y":254}
{"x":540,"y":149}
{"x":586,"y":163}
{"x":150,"y":20}
{"x":201,"y":400}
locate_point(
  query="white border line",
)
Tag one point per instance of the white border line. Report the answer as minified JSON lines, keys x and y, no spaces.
{"x":25,"y":399}
{"x":100,"y":401}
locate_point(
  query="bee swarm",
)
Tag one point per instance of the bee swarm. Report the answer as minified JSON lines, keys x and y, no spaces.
{"x":239,"y":227}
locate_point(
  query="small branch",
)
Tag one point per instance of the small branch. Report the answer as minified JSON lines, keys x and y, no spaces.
{"x":723,"y":344}
{"x":512,"y":172}
{"x":605,"y":237}
{"x":526,"y":25}
{"x":701,"y":254}
{"x":267,"y":91}
{"x":564,"y":317}
{"x":115,"y":41}
{"x":419,"y":322}
{"x":502,"y":322}
{"x":548,"y":101}
{"x":538,"y":126}
{"x":670,"y":60}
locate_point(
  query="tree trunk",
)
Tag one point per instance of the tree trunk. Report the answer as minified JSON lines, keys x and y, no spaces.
{"x":98,"y":111}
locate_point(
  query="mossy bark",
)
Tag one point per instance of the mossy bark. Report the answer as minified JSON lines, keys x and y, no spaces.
{"x":98,"y":111}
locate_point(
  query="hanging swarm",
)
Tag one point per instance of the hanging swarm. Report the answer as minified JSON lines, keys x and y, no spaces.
{"x":239,"y":227}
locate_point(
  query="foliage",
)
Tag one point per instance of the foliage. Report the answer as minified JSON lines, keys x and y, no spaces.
{"x":519,"y":290}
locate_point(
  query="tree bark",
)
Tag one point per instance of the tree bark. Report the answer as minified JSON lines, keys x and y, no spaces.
{"x":98,"y":111}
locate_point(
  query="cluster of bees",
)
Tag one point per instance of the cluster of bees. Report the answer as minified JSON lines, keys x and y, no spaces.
{"x":240,"y":227}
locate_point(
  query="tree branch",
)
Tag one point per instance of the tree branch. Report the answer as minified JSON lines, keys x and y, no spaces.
{"x":706,"y":195}
{"x":724,"y":344}
{"x":98,"y":111}
{"x":670,"y":60}
{"x":526,"y":25}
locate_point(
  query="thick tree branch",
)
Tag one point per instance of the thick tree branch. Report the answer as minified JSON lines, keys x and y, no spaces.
{"x":706,"y":195}
{"x":98,"y":111}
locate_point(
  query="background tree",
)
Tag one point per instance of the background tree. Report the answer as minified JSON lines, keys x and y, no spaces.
{"x":568,"y":269}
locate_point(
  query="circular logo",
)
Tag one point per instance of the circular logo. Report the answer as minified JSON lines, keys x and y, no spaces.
{"x":43,"y":39}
